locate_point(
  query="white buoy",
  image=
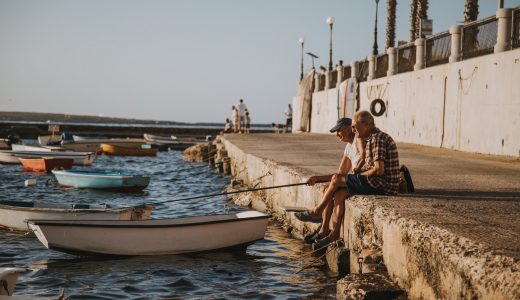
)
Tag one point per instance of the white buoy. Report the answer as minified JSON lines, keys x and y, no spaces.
{"x":30,"y":182}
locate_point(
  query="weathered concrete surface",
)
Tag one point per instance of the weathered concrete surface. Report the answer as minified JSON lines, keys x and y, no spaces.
{"x":457,"y":237}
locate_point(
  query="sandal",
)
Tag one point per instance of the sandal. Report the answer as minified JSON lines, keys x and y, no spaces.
{"x":311,"y":238}
{"x":305,"y":216}
{"x":320,"y":244}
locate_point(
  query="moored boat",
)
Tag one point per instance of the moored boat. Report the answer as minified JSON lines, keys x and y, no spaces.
{"x":14,"y":214}
{"x":80,"y":158}
{"x":152,"y":237}
{"x":77,"y":143}
{"x":8,"y":278}
{"x":160,"y":140}
{"x":102,"y":180}
{"x":46,"y":164}
{"x":20,"y":147}
{"x":8,"y":157}
{"x":140,"y":150}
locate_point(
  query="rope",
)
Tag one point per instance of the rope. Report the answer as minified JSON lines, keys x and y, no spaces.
{"x":318,"y":258}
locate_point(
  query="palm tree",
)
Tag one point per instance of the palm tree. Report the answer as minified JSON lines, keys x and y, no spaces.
{"x":470,"y":11}
{"x":419,"y":10}
{"x":391,"y":6}
{"x":413,"y":17}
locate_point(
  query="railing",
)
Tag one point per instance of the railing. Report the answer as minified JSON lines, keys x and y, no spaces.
{"x":334,"y":78}
{"x":346,"y":73}
{"x":405,"y":58}
{"x":515,"y":42}
{"x":479,"y":37}
{"x":438,"y":49}
{"x":362,"y":71}
{"x":321,"y":87}
{"x":381,"y":64}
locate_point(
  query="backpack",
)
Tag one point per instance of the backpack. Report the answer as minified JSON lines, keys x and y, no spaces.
{"x":405,"y":181}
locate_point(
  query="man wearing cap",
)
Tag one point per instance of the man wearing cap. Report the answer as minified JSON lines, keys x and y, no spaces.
{"x":378,"y":173}
{"x":335,"y":190}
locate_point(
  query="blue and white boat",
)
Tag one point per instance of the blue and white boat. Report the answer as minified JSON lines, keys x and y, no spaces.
{"x":102,"y":180}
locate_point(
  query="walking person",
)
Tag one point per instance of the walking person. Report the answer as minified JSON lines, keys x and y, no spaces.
{"x":248,"y":123}
{"x":288,"y":119}
{"x":242,"y":115}
{"x":235,"y":118}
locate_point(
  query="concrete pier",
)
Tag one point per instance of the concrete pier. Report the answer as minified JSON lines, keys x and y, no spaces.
{"x":458,"y":236}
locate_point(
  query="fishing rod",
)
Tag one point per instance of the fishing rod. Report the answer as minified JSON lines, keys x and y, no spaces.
{"x":233,"y":192}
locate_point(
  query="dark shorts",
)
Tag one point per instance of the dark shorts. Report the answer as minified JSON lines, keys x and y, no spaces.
{"x":357,"y":184}
{"x":248,"y":126}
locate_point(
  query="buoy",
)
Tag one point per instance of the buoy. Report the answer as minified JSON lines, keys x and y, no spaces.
{"x":30,"y":182}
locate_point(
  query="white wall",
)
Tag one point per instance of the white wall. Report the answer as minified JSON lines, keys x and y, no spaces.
{"x":324,"y":110}
{"x":478,"y":98}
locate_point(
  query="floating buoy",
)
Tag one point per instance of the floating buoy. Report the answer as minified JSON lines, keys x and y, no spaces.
{"x":30,"y":182}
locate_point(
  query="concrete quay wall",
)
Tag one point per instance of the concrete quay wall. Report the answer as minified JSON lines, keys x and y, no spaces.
{"x":471,"y":105}
{"x":429,"y":262}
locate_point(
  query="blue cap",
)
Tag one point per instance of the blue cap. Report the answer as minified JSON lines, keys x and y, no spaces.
{"x":340,"y":123}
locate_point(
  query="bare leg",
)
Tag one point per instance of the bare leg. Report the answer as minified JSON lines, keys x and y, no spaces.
{"x":338,"y":213}
{"x":336,"y":182}
{"x":325,"y":219}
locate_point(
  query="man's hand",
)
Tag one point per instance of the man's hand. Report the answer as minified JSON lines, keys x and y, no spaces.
{"x":312,"y":180}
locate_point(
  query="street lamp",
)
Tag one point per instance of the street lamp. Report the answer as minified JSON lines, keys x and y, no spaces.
{"x":330,"y":21}
{"x":374,"y":50}
{"x":301,"y":41}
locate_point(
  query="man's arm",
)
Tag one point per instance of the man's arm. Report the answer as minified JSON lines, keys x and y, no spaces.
{"x":377,"y":169}
{"x":345,"y":165}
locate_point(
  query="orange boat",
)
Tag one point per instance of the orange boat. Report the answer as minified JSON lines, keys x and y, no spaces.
{"x":46,"y":164}
{"x":140,"y":150}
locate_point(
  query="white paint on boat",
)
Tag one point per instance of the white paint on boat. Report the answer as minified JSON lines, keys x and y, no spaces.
{"x":8,"y":278}
{"x":152,"y":237}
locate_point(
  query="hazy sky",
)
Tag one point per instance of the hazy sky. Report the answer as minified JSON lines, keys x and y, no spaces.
{"x":182,"y":60}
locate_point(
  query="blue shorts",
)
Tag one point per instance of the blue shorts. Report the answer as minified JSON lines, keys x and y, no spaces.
{"x":357,"y":184}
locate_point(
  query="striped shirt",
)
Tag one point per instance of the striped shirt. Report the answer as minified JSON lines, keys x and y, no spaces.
{"x":380,"y":146}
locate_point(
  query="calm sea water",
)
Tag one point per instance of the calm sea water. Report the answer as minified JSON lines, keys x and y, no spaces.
{"x":268,"y":269}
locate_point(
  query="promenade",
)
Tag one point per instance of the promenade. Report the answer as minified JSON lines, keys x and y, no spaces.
{"x":464,"y":212}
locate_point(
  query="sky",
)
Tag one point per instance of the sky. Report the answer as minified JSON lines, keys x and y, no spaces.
{"x":183,"y":60}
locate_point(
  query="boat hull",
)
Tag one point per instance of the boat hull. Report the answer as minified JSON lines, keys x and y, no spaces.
{"x":46,"y":164}
{"x":102,"y":180}
{"x":14,"y":214}
{"x":8,"y":278}
{"x":79,"y":158}
{"x":7,"y":157}
{"x":110,"y":149}
{"x":152,"y":237}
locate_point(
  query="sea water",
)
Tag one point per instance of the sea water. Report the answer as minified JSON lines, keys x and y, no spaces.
{"x":277,"y":267}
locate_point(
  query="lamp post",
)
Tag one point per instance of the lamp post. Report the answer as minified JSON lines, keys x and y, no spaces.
{"x":374,"y":49}
{"x":330,"y":21}
{"x":301,"y":41}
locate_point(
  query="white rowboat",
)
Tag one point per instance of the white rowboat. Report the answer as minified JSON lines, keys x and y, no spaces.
{"x":8,"y":278}
{"x":152,"y":237}
{"x":80,"y":158}
{"x":14,"y":214}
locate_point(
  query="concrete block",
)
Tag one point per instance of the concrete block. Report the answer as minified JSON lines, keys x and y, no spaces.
{"x":338,"y":260}
{"x":368,"y":286}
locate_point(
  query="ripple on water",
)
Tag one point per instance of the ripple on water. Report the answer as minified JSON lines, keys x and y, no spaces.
{"x":266,"y":270}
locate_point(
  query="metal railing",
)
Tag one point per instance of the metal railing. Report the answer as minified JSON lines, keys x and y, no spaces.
{"x":405,"y":58}
{"x":515,"y":41}
{"x":381,"y":65}
{"x":334,"y":78}
{"x":346,"y":73}
{"x":479,"y":37}
{"x":362,"y":72}
{"x":438,"y":49}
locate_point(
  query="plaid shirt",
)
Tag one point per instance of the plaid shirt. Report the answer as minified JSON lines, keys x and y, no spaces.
{"x":380,"y":146}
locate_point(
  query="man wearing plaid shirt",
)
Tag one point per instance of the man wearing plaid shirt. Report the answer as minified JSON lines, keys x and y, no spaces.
{"x":377,"y":173}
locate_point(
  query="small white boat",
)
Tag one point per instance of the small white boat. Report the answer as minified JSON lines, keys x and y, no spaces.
{"x":8,"y":278}
{"x":80,"y":158}
{"x":160,"y":140}
{"x":107,"y":180}
{"x":86,"y":144}
{"x":8,"y":157}
{"x":20,"y":147}
{"x":14,"y":214}
{"x":152,"y":237}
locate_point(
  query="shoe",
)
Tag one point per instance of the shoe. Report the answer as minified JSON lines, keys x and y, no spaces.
{"x":304,"y":216}
{"x":311,"y":238}
{"x":319,"y":244}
